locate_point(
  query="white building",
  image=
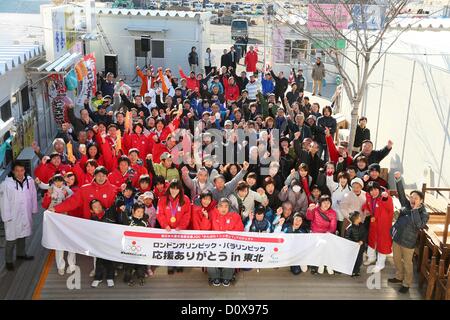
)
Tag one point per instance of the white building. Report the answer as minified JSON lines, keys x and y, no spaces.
{"x":20,"y":47}
{"x":291,"y":49}
{"x":172,"y":35}
{"x":408,"y":102}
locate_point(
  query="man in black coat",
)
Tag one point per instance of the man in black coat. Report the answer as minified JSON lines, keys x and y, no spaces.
{"x":233,"y":58}
{"x":281,"y":85}
{"x":299,"y":79}
{"x":362,"y":133}
{"x":240,"y":81}
{"x":193,"y":59}
{"x":373,"y":156}
{"x":225,"y":59}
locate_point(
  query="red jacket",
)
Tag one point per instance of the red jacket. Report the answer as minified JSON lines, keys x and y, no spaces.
{"x":140,"y":142}
{"x":319,"y":224}
{"x":231,"y":91}
{"x":158,"y":150}
{"x":105,"y":193}
{"x":159,"y":195}
{"x":232,"y":221}
{"x":46,"y":171}
{"x":171,"y":127}
{"x":333,"y":152}
{"x":182,"y":213}
{"x":108,"y":156}
{"x":139,"y":171}
{"x":100,"y":161}
{"x":251,"y":58}
{"x":190,"y":83}
{"x":198,"y":220}
{"x":379,"y":231}
{"x":47,"y":200}
{"x":117,"y":178}
{"x":82,"y":176}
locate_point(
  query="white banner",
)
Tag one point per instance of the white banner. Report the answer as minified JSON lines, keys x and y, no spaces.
{"x":196,"y":248}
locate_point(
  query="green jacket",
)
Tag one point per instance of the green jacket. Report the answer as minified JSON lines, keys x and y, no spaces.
{"x":265,"y":106}
{"x":168,"y":174}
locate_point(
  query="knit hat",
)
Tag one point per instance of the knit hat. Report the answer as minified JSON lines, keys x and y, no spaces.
{"x":358,"y":181}
{"x":374,"y":167}
{"x":148,"y":195}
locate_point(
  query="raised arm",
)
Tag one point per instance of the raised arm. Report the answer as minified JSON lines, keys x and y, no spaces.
{"x":401,"y":190}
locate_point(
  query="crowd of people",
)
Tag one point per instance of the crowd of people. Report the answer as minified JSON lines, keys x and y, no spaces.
{"x":124,"y":158}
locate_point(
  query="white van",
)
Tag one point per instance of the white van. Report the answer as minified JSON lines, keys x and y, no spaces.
{"x":239,"y":29}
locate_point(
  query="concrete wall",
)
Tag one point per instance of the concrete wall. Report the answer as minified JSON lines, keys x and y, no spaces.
{"x":182,"y":34}
{"x":408,"y":102}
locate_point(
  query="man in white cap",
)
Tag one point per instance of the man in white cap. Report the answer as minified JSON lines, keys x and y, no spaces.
{"x":353,"y":201}
{"x":150,"y":100}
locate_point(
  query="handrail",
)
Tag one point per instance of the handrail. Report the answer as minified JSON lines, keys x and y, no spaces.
{"x":435,"y":189}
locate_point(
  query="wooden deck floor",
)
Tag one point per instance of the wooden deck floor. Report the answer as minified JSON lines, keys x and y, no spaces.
{"x":192,"y":284}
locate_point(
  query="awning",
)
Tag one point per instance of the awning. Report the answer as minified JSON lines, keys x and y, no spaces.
{"x":12,"y":56}
{"x":144,"y":30}
{"x":59,"y":65}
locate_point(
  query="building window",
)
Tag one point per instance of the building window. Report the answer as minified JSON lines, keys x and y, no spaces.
{"x":157,"y":49}
{"x":138,"y":49}
{"x":5,"y":111}
{"x":295,"y":50}
{"x":25,"y":100}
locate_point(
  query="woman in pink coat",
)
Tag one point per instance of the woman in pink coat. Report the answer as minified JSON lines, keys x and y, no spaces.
{"x":380,"y":207}
{"x":323,"y":219}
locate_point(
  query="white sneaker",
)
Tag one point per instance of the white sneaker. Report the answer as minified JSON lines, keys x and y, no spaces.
{"x":71,"y":269}
{"x":304,"y":268}
{"x":330,"y":271}
{"x":116,"y":273}
{"x":110,"y":283}
{"x":92,"y":273}
{"x":61,"y":272}
{"x":95,"y":283}
{"x":320,"y":270}
{"x":369,"y":262}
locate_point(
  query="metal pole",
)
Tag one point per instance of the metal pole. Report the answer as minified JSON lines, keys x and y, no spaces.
{"x":264,"y":22}
{"x":407,"y":114}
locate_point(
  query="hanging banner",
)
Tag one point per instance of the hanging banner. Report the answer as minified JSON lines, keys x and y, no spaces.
{"x":327,"y":16}
{"x":278,"y":45}
{"x":369,"y":17}
{"x":159,"y":247}
{"x":59,"y":102}
{"x":88,"y":85}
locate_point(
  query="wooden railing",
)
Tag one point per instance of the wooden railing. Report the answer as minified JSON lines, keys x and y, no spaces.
{"x":436,"y":208}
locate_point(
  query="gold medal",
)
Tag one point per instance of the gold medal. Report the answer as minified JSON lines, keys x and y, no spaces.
{"x":173,"y":219}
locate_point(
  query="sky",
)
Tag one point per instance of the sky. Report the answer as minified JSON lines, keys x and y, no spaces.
{"x":21,"y":6}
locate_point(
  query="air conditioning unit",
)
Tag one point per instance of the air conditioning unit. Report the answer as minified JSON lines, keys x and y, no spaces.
{"x":29,"y":159}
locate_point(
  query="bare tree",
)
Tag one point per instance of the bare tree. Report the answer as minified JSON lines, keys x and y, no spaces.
{"x":366,"y":40}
